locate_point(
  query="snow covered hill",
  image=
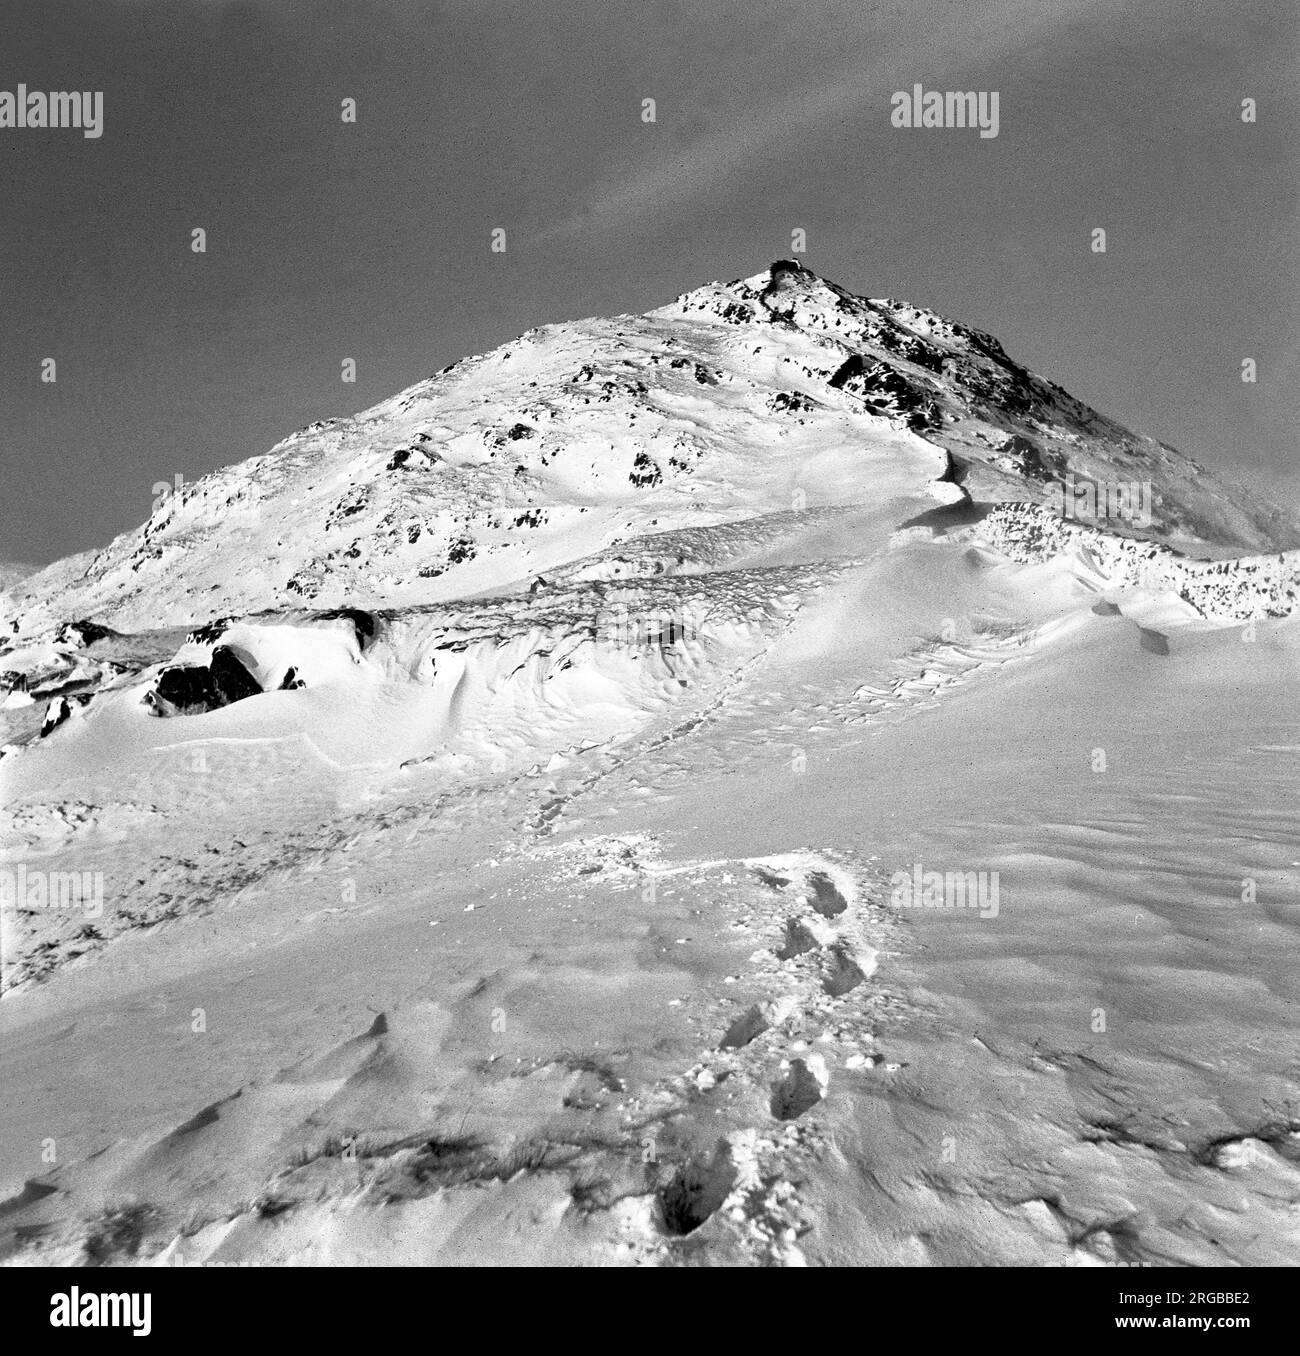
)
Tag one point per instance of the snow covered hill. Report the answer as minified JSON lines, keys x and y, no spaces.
{"x":490,"y":809}
{"x":776,"y":392}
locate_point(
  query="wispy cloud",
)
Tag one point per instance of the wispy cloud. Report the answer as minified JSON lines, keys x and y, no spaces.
{"x":906,"y":42}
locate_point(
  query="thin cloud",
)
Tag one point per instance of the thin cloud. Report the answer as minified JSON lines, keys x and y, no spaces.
{"x":858,"y":88}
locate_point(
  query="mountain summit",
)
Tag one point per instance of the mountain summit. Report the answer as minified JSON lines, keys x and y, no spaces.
{"x":758,"y":396}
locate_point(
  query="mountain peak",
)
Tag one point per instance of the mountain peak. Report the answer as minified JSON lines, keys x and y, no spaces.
{"x":739,"y":399}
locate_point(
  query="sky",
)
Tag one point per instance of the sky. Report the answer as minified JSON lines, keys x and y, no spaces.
{"x":328,"y":240}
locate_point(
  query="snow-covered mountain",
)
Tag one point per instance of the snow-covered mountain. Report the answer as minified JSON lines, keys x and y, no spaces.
{"x":523,"y":771}
{"x":771,"y":393}
{"x":636,"y":450}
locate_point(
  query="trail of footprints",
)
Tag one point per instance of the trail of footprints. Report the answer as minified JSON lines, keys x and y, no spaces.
{"x":810,"y":916}
{"x":751,"y":1098}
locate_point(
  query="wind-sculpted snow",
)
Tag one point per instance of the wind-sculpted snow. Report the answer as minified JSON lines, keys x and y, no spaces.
{"x":514,"y":779}
{"x":1248,"y":588}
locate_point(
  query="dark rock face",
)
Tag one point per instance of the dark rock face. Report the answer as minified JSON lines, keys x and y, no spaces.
{"x":185,"y":690}
{"x":916,"y":350}
{"x":784,"y":276}
{"x":209,"y":631}
{"x":81,"y":633}
{"x":850,"y":369}
{"x":701,"y":373}
{"x":736,"y":314}
{"x":231,"y":681}
{"x":190,"y":690}
{"x":414,"y":458}
{"x":291,"y":680}
{"x":55,"y":714}
{"x":59,"y":710}
{"x":1030,"y":459}
{"x":790,"y":402}
{"x":645,"y":472}
{"x":363,"y":622}
{"x":885,"y":390}
{"x":876,"y":383}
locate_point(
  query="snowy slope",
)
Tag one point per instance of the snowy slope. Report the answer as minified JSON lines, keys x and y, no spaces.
{"x":766,"y":394}
{"x":497,"y":802}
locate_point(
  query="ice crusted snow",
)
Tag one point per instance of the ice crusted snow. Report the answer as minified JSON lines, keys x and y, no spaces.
{"x":495,"y":798}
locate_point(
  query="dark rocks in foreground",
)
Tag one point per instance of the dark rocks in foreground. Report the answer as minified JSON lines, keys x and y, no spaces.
{"x":190,"y":689}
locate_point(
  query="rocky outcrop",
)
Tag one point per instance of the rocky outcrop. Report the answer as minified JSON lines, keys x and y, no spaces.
{"x":1245,"y":589}
{"x":190,"y":689}
{"x":81,"y":633}
{"x":59,"y":710}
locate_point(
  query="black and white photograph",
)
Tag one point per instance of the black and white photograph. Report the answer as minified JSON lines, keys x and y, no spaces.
{"x":650,"y":635}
